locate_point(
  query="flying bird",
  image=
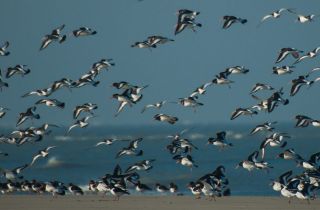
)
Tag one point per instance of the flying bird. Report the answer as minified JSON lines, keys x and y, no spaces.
{"x":29,"y":114}
{"x":166,"y":118}
{"x":51,"y":103}
{"x":83,"y":31}
{"x":54,"y":36}
{"x":157,"y":105}
{"x":82,"y":123}
{"x":42,"y":153}
{"x":284,"y":52}
{"x":3,"y":49}
{"x":275,"y":14}
{"x":18,"y":69}
{"x":229,"y":20}
{"x":242,"y":111}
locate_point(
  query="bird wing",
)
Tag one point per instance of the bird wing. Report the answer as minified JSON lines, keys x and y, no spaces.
{"x":100,"y":143}
{"x":58,"y":30}
{"x":295,"y":88}
{"x":146,"y":107}
{"x":265,"y":18}
{"x":300,"y":59}
{"x":20,"y":168}
{"x":282,"y":55}
{"x":117,"y":170}
{"x":50,"y":147}
{"x":253,"y":157}
{"x":45,"y":42}
{"x":121,"y":106}
{"x":236,"y":114}
{"x":35,"y":158}
{"x":71,"y":127}
{"x":5,"y":45}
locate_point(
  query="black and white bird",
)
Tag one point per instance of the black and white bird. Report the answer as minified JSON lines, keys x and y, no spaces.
{"x":29,"y":114}
{"x":74,"y":189}
{"x":200,"y":90}
{"x":157,"y":105}
{"x":103,"y":64}
{"x":306,"y":18}
{"x":274,"y":100}
{"x":310,"y":54}
{"x":263,"y":127}
{"x":186,"y":19}
{"x":54,"y":36}
{"x":143,"y":44}
{"x":275,"y":14}
{"x":289,"y":154}
{"x":18,"y":69}
{"x":190,"y":102}
{"x":236,"y":70}
{"x":185,"y":161}
{"x":185,"y":13}
{"x":297,"y":84}
{"x":82,"y":123}
{"x":166,"y":118}
{"x":42,"y":153}
{"x":86,"y":107}
{"x":173,"y":188}
{"x":83,"y":31}
{"x":154,"y":40}
{"x":131,"y":149}
{"x":123,"y":101}
{"x":14,"y":174}
{"x":58,"y":84}
{"x":161,"y":188}
{"x":229,"y":20}
{"x":40,"y":92}
{"x":219,"y":140}
{"x":186,"y":23}
{"x":284,"y":52}
{"x":242,"y":111}
{"x":51,"y":103}
{"x":144,"y":165}
{"x":282,"y":181}
{"x":260,"y":86}
{"x":281,"y":70}
{"x":108,"y":141}
{"x":303,"y":121}
{"x":117,"y":192}
{"x":142,"y":187}
{"x":3,"y":111}
{"x":3,"y":49}
{"x":252,"y":163}
{"x":222,"y":79}
{"x":274,"y":140}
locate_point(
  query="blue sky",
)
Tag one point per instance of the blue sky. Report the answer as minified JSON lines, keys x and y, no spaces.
{"x":172,"y":70}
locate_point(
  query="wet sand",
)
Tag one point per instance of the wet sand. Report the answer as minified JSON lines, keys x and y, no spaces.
{"x":44,"y":202}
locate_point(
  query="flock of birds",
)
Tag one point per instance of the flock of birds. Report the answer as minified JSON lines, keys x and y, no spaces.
{"x":214,"y":184}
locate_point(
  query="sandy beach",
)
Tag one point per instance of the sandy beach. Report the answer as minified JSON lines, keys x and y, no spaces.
{"x":41,"y":202}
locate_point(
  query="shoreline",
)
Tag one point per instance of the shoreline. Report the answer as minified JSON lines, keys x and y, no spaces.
{"x":40,"y":202}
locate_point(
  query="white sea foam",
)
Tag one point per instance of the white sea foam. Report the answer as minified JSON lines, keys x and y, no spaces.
{"x":53,"y":162}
